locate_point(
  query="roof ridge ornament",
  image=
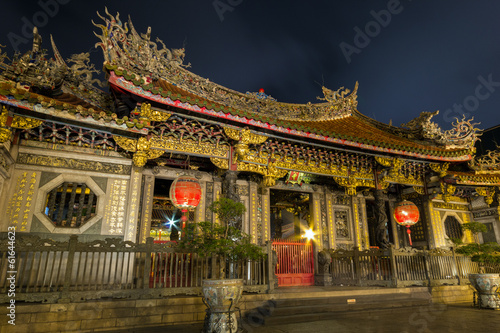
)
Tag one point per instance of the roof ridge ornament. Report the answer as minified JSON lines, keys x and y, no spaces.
{"x":462,"y":135}
{"x":488,"y":163}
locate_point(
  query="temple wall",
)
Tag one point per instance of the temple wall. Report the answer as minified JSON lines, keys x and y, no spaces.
{"x":37,"y":171}
{"x":437,"y":210}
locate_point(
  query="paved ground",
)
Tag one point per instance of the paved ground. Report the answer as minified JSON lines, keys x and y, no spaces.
{"x":435,"y":318}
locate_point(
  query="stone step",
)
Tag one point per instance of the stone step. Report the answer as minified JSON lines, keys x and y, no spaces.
{"x":295,"y":310}
{"x":328,"y":315}
{"x":344,"y":299}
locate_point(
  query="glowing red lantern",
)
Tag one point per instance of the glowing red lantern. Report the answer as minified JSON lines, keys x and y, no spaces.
{"x":185,"y":193}
{"x":406,"y":213}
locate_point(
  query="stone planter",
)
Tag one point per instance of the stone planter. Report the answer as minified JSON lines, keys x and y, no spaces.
{"x":486,"y":286}
{"x":220,"y":295}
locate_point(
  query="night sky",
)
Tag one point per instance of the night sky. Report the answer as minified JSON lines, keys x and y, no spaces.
{"x":408,"y":56}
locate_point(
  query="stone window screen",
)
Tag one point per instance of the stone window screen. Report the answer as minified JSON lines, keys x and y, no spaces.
{"x":452,"y":228}
{"x":70,"y":205}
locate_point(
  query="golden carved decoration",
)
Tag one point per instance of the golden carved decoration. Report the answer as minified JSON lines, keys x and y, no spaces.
{"x":141,"y":148}
{"x":486,"y":193}
{"x":401,"y":179}
{"x":221,"y":163}
{"x":24,"y":122}
{"x":270,"y":172}
{"x":356,"y":179}
{"x":384,"y":161}
{"x":449,"y":206}
{"x":391,"y":162}
{"x":5,"y":133}
{"x":153,"y":115}
{"x":189,"y":146}
{"x":419,"y":190}
{"x":441,"y":168}
{"x":73,"y":164}
{"x":126,"y":143}
{"x":478,"y":180}
{"x":244,"y":138}
{"x":447,"y":191}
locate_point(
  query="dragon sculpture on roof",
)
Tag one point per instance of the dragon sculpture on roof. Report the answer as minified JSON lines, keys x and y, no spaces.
{"x":126,"y":49}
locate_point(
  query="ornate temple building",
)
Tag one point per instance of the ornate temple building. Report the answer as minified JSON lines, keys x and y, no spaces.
{"x":97,"y":159}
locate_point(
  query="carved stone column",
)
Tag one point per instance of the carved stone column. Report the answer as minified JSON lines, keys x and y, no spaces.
{"x":264,"y":234}
{"x":330,"y":218}
{"x":382,"y":220}
{"x":253,"y":211}
{"x":130,"y":233}
{"x":316,"y":218}
{"x":147,"y":208}
{"x":230,"y":191}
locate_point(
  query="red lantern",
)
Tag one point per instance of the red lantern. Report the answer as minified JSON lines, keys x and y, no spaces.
{"x":185,"y":193}
{"x":406,"y":213}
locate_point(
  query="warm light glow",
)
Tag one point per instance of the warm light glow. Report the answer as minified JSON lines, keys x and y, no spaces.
{"x":309,"y":234}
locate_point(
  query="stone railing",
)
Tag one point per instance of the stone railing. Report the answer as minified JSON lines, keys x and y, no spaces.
{"x":401,"y":267}
{"x":43,"y":270}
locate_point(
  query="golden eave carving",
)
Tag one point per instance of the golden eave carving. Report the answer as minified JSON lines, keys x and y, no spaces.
{"x":487,"y":193}
{"x":145,"y":149}
{"x":244,"y":138}
{"x":269,"y":171}
{"x":190,"y":146}
{"x":447,"y":191}
{"x":221,"y":163}
{"x":153,"y":115}
{"x":17,"y":122}
{"x":140,"y":147}
{"x":441,"y":168}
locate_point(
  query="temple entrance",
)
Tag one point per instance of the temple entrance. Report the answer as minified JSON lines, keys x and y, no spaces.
{"x":290,"y":219}
{"x":290,"y":216}
{"x":165,"y":218}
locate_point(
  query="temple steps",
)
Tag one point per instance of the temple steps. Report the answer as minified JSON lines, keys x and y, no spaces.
{"x":284,"y":311}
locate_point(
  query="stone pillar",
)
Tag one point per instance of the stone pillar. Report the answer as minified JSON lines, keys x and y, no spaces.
{"x":316,"y":219}
{"x":217,"y":188}
{"x":382,"y":220}
{"x":394,"y":225}
{"x":265,"y":233}
{"x":330,"y":218}
{"x":436,"y":228}
{"x":147,"y":208}
{"x":364,"y":222}
{"x":253,"y":213}
{"x":358,"y":208}
{"x":132,"y":221}
{"x":199,"y":212}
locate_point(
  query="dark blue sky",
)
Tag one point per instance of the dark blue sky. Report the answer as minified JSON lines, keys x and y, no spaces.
{"x":410,"y":56}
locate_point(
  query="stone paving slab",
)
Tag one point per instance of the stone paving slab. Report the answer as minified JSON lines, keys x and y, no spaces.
{"x":434,"y":318}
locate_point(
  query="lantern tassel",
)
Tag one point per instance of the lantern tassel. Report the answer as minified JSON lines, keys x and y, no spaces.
{"x":409,"y":234}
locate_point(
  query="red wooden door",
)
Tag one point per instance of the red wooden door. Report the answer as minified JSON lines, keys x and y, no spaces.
{"x":295,"y":263}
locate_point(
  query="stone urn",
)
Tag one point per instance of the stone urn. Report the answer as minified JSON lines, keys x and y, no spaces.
{"x":222,"y":296}
{"x":486,"y":286}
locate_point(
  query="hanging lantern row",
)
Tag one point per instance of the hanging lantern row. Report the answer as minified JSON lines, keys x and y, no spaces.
{"x":185,"y":193}
{"x":406,"y":214}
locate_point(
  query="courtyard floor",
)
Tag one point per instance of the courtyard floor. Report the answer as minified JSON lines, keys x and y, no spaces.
{"x":438,"y":318}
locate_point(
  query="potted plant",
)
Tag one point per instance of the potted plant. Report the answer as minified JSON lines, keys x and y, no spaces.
{"x":228,"y":246}
{"x":487,"y":256}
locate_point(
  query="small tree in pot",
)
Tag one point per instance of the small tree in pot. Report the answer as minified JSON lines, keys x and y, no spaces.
{"x":487,"y":256}
{"x":230,"y":245}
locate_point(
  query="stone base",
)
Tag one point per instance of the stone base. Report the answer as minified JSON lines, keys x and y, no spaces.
{"x":489,"y":301}
{"x":323,"y":279}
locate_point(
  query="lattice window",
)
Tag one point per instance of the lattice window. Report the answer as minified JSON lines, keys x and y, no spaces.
{"x":452,"y":228}
{"x":70,"y":205}
{"x":342,"y":223}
